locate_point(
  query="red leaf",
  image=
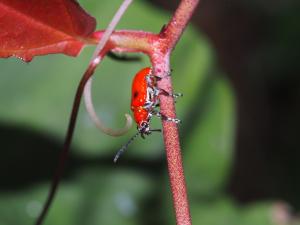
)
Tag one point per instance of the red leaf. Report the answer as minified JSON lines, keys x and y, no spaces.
{"x":38,"y":27}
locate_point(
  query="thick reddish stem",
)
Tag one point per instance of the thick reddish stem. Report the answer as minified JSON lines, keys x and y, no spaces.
{"x":128,"y":41}
{"x":178,"y":23}
{"x":172,"y":145}
{"x":160,"y":58}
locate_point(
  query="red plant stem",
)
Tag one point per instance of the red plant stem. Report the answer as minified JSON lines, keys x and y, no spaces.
{"x":160,"y":58}
{"x":178,"y":23}
{"x":66,"y":148}
{"x":172,"y":145}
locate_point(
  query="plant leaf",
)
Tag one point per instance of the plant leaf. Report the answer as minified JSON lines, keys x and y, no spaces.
{"x":39,"y":27}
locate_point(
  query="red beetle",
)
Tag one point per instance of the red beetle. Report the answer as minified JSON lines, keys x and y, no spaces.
{"x":144,"y":100}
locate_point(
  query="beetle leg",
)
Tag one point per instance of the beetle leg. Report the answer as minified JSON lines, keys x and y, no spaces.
{"x":163,"y":117}
{"x":159,"y":91}
{"x":150,"y":80}
{"x":148,"y":105}
{"x":155,"y":130}
{"x":174,"y":95}
{"x":160,"y":78}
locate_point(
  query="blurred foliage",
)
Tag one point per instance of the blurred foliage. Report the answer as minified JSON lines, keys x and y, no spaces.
{"x":36,"y":99}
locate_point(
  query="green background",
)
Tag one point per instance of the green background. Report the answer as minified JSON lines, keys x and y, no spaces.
{"x":36,"y":100}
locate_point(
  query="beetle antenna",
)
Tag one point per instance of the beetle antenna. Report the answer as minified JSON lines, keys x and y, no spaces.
{"x":120,"y":152}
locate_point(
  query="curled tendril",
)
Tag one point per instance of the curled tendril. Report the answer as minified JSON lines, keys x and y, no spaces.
{"x":99,"y":124}
{"x":96,"y":59}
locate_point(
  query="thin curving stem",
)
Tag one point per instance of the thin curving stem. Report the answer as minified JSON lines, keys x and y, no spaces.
{"x":96,"y":59}
{"x":98,"y":122}
{"x":66,"y":148}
